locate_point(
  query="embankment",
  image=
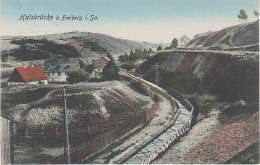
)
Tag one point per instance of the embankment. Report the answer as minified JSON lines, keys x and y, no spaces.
{"x":229,"y":76}
{"x":96,"y":134}
{"x":223,"y":84}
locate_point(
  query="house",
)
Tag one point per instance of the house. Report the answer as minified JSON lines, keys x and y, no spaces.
{"x":151,"y":51}
{"x":57,"y":69}
{"x":27,"y":75}
{"x":99,"y":65}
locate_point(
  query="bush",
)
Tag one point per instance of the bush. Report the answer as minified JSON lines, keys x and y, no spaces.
{"x":117,"y":109}
{"x":78,"y":76}
{"x":81,"y":101}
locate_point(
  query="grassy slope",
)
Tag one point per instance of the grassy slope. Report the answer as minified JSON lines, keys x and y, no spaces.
{"x":44,"y":49}
{"x":115,"y":109}
{"x":238,"y":81}
{"x":229,"y":78}
{"x":9,"y":100}
{"x":185,"y":82}
{"x":6,"y":66}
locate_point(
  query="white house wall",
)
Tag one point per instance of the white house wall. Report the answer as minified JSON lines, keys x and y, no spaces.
{"x":55,"y":77}
{"x":33,"y":82}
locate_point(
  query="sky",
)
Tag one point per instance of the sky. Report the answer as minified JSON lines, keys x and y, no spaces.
{"x":141,"y":20}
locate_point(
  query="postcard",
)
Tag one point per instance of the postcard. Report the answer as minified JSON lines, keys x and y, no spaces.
{"x":129,"y":82}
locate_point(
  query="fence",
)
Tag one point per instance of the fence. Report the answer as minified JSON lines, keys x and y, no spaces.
{"x":104,"y":130}
{"x":8,"y":130}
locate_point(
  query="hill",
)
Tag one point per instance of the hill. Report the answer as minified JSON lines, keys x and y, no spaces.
{"x":239,"y":35}
{"x":115,"y":46}
{"x":105,"y":43}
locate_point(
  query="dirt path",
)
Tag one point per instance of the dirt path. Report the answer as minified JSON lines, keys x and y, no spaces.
{"x":178,"y":152}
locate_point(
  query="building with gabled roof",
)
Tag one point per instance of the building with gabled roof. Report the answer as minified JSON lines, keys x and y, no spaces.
{"x":27,"y":75}
{"x":99,"y":65}
{"x":57,"y":69}
{"x":101,"y":62}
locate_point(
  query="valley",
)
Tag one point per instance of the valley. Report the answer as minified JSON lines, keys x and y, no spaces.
{"x":196,"y":103}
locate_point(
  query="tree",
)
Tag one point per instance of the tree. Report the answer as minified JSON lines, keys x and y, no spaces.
{"x":256,"y":13}
{"x":110,"y":71}
{"x":131,"y":53}
{"x":242,"y":15}
{"x":132,"y":56}
{"x":89,"y":68}
{"x":159,"y":48}
{"x":78,"y":76}
{"x":82,"y":64}
{"x":128,"y":67}
{"x":123,"y":58}
{"x":174,"y":43}
{"x":110,"y":56}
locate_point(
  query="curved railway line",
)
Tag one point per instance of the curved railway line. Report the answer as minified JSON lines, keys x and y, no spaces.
{"x":182,"y":121}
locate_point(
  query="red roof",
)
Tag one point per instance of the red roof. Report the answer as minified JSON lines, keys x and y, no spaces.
{"x":31,"y":73}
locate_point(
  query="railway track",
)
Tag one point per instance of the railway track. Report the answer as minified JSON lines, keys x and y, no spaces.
{"x":145,"y":153}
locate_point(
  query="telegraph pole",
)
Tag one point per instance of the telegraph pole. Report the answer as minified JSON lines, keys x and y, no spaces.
{"x":66,"y":135}
{"x":139,"y":70}
{"x":156,"y":74}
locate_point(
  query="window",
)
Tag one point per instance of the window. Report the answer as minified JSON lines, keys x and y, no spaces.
{"x":52,"y":73}
{"x":48,"y":74}
{"x":59,"y":73}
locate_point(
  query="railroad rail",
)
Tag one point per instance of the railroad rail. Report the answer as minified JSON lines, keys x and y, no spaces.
{"x":148,"y":152}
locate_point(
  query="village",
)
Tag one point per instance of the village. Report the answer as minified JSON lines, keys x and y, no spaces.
{"x":57,"y":70}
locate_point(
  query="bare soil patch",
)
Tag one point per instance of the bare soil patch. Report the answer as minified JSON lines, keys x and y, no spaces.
{"x":227,"y":140}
